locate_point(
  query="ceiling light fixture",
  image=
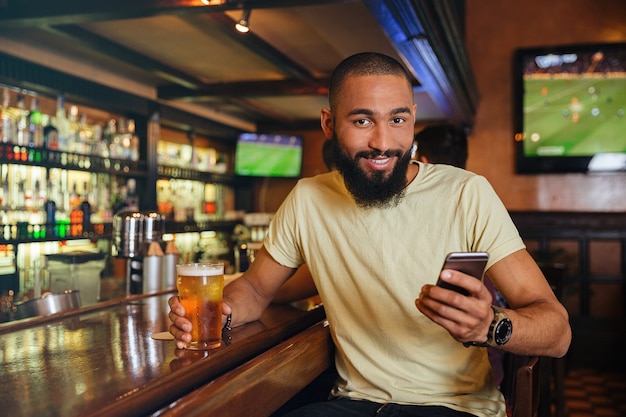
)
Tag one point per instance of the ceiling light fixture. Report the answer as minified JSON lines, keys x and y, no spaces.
{"x":242,"y":25}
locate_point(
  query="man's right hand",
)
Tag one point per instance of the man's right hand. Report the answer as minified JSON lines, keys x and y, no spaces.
{"x":180,"y":327}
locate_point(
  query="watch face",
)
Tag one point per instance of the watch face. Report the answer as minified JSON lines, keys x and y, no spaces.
{"x":503,"y":332}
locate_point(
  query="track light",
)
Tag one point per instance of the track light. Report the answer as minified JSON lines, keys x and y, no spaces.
{"x":242,"y":25}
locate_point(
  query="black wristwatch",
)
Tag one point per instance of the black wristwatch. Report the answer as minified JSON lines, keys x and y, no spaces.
{"x":500,"y":330}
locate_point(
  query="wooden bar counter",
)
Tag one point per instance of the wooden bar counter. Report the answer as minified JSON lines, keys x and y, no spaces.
{"x":103,"y":361}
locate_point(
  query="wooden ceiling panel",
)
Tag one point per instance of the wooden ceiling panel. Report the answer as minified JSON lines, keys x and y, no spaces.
{"x":194,"y":45}
{"x":191,"y":56}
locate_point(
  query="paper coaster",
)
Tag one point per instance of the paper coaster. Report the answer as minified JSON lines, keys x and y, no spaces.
{"x":162,"y":336}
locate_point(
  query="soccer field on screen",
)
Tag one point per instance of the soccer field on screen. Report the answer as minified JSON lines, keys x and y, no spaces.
{"x":575,"y":116}
{"x":268,"y":160}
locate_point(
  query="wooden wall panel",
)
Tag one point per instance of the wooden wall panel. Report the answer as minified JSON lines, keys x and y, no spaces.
{"x":494,"y":30}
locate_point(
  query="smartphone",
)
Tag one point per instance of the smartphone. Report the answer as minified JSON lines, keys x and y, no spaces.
{"x":470,"y":263}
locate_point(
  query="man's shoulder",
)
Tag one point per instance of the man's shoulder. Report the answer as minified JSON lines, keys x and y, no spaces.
{"x":445,"y":174}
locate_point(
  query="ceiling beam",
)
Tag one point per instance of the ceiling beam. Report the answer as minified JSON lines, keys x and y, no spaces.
{"x":243,"y":89}
{"x":119,"y":52}
{"x":24,"y":13}
{"x":254,"y":43}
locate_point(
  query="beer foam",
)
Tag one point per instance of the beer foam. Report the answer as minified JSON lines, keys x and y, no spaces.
{"x":200,"y":270}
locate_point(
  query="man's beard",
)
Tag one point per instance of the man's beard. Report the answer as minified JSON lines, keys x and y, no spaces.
{"x":377,"y":188}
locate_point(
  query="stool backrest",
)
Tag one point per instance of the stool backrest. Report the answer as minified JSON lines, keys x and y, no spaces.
{"x":522,"y":385}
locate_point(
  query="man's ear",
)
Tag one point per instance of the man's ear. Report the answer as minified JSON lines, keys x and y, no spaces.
{"x":326,"y":120}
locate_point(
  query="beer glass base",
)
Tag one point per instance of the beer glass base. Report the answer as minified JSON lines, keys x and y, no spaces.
{"x":203,"y":345}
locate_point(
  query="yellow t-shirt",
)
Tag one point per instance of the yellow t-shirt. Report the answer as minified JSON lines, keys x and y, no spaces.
{"x":369,"y":266}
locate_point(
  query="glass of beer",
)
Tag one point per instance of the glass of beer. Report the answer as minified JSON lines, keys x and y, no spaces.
{"x":200,"y":289}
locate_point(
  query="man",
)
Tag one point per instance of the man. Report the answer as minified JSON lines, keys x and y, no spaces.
{"x":373,"y":263}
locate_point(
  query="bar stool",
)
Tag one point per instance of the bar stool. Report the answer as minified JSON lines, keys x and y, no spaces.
{"x":554,"y":369}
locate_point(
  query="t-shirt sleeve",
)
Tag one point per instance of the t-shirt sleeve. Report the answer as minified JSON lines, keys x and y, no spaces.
{"x":281,"y":239}
{"x":489,"y":224}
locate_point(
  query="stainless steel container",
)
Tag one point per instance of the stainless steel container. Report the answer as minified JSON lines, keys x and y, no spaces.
{"x":152,"y":268}
{"x":49,"y":304}
{"x":153,"y":226}
{"x":133,"y":234}
{"x":170,"y":258}
{"x":79,"y":271}
{"x":128,"y":234}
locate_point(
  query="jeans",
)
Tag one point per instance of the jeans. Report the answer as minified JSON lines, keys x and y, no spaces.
{"x":344,"y":407}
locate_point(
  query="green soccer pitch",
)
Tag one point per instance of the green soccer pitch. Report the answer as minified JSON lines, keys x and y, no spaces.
{"x":573,"y":115}
{"x":268,"y":160}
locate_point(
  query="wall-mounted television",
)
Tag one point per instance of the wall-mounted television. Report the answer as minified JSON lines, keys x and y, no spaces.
{"x":569,"y":109}
{"x":268,"y":155}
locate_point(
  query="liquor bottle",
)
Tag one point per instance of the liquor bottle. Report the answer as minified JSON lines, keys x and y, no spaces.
{"x":85,"y":208}
{"x":5,"y":187}
{"x":74,"y":198}
{"x":28,"y":198}
{"x":62,"y":124}
{"x":118,"y":197}
{"x":50,"y":208}
{"x":22,"y":122}
{"x":164,"y":198}
{"x":134,"y":141}
{"x":10,"y":117}
{"x":98,"y":145}
{"x":210,"y":193}
{"x":121,"y":141}
{"x":4,"y":107}
{"x":124,"y":137}
{"x":51,"y":135}
{"x":112,"y":139}
{"x":35,"y":128}
{"x":39,"y":196}
{"x":62,"y":227}
{"x":76,"y":214}
{"x":105,"y":206}
{"x":85,"y":135}
{"x":20,"y":200}
{"x":9,"y":124}
{"x":2,"y":197}
{"x":73,"y":140}
{"x":132,"y":199}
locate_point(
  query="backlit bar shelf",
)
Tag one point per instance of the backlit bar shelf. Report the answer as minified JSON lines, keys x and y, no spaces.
{"x":15,"y":154}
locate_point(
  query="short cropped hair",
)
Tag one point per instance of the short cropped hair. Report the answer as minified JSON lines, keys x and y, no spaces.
{"x":362,"y":64}
{"x":443,"y":144}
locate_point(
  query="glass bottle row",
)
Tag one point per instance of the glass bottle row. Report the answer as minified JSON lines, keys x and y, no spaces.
{"x":38,"y":202}
{"x":182,"y":200}
{"x":25,"y":124}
